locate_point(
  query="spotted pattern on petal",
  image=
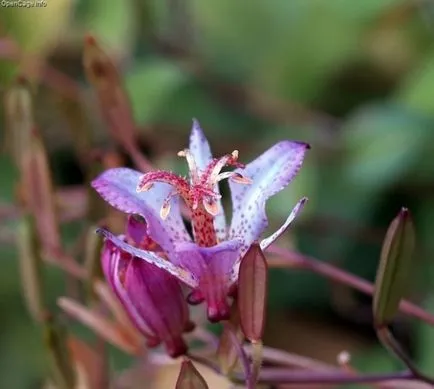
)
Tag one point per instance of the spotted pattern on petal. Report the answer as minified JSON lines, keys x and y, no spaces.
{"x":270,"y":173}
{"x":199,"y":146}
{"x":201,"y":151}
{"x":182,"y":274}
{"x":118,"y":187}
{"x":265,"y":243}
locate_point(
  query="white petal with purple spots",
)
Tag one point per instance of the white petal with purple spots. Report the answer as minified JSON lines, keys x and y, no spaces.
{"x":270,"y":173}
{"x":180,"y":273}
{"x":118,"y":187}
{"x":265,"y":243}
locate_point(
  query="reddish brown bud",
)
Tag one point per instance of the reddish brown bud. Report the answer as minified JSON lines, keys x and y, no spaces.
{"x":252,"y":293}
{"x":189,"y":377}
{"x":113,"y":100}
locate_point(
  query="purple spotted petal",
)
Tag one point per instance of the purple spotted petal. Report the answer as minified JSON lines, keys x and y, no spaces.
{"x":199,"y":146}
{"x":182,"y":274}
{"x":265,"y":243}
{"x":270,"y":173}
{"x":118,"y":187}
{"x":213,"y":268}
{"x":218,"y":259}
{"x":201,"y":151}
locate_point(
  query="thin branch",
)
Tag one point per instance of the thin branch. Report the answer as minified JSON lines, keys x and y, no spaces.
{"x":279,"y":375}
{"x":288,"y":376}
{"x":242,"y":356}
{"x":389,"y":341}
{"x":289,"y":359}
{"x":304,"y":262}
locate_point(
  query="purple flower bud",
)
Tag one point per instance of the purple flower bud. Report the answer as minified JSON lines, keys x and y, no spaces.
{"x":151,"y":296}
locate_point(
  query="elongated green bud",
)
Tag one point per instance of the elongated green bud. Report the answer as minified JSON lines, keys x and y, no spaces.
{"x":394,"y":268}
{"x":30,"y":267}
{"x":19,"y":118}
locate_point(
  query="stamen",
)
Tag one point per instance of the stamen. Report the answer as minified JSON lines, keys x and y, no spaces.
{"x":165,"y":208}
{"x":192,"y":167}
{"x":218,"y":166}
{"x":211,"y":206}
{"x":210,"y":176}
{"x":236,"y":177}
{"x":148,"y":180}
{"x":145,"y":187}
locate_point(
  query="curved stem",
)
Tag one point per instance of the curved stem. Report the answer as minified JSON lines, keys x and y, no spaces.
{"x":299,"y":261}
{"x":243,"y":357}
{"x":289,"y":376}
{"x":274,"y":375}
{"x":389,"y":341}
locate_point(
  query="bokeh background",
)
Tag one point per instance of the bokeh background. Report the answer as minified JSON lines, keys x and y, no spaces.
{"x":355,"y":79}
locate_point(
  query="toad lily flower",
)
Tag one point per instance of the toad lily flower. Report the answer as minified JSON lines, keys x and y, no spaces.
{"x":209,"y":264}
{"x":152,"y":297}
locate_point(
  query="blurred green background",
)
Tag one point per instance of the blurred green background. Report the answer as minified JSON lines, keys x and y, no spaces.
{"x":353,"y":78}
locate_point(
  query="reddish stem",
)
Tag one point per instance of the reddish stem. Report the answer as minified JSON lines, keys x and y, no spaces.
{"x":300,"y":261}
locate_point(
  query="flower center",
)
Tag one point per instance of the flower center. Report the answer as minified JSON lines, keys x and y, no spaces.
{"x":200,"y":193}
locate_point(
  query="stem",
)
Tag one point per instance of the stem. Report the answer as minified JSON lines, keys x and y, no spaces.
{"x":285,"y":358}
{"x":250,"y":379}
{"x":289,"y":376}
{"x":278,"y":375}
{"x":299,"y":261}
{"x":256,"y":356}
{"x":390,"y":342}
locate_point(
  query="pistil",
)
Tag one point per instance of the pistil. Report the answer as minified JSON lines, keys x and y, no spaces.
{"x":200,"y":193}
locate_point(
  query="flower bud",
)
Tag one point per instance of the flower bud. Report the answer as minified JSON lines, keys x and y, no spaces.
{"x":252,"y":293}
{"x":189,"y":377}
{"x":152,"y":298}
{"x":394,"y":268}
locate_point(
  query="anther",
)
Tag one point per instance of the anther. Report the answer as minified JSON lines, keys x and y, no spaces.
{"x":165,"y":208}
{"x":145,"y":187}
{"x":192,"y":167}
{"x":211,"y":206}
